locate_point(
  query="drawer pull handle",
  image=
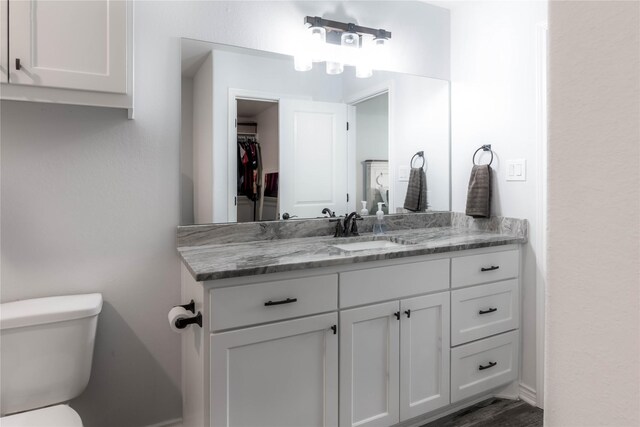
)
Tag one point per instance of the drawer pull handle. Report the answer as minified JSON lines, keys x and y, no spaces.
{"x":397,"y":314}
{"x":408,"y":313}
{"x":491,"y":310}
{"x":493,"y":267}
{"x":284,"y":301}
{"x":334,"y":328}
{"x":18,"y":64}
{"x":490,"y":365}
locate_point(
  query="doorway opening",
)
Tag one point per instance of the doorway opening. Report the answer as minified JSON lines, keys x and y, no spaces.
{"x":372,"y":152}
{"x":257,"y":165}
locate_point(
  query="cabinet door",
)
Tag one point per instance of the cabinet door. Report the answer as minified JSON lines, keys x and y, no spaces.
{"x":424,"y":355}
{"x":69,"y":44}
{"x":283,"y":374}
{"x":369,"y":366}
{"x":4,"y":41}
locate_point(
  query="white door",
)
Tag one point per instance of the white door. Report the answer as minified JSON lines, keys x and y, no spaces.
{"x":279,"y":375}
{"x":424,"y":355}
{"x":313,"y":158}
{"x":369,"y":365}
{"x":69,"y":44}
{"x":4,"y":41}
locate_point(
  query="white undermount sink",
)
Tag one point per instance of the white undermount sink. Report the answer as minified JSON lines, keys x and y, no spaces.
{"x":368,"y":245}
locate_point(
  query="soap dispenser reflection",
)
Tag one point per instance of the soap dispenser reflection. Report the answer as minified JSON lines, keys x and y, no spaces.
{"x":379,"y":227}
{"x":364,"y":211}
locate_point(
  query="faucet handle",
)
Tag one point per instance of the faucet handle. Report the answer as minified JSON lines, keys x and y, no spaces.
{"x":354,"y":226}
{"x":339,"y":230}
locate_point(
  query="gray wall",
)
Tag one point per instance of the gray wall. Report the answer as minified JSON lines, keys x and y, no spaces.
{"x":90,"y":200}
{"x":594,"y":221}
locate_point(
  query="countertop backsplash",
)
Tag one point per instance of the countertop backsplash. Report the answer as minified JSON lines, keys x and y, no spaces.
{"x":216,"y":234}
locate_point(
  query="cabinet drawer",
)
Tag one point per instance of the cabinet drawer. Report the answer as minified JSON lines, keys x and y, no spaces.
{"x":265,"y":302}
{"x":471,"y":270}
{"x":393,"y":282}
{"x":483,"y":365}
{"x":480,"y":311}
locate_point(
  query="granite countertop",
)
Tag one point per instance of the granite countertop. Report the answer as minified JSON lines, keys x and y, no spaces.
{"x":221,"y":261}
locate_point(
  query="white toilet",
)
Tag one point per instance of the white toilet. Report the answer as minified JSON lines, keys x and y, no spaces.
{"x":46,"y":348}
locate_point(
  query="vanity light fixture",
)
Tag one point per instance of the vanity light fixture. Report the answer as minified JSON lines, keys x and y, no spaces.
{"x":339,"y":44}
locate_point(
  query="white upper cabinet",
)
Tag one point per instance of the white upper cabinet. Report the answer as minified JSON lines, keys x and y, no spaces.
{"x":71,"y":52}
{"x":4,"y":41}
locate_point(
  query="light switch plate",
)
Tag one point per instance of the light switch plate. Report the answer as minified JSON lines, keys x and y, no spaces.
{"x":403,"y":173}
{"x":517,"y":170}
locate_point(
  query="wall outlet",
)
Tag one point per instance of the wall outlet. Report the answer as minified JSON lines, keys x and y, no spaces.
{"x":517,"y":170}
{"x":403,"y":173}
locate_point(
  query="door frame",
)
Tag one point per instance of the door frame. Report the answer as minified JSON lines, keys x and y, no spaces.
{"x":352,"y":100}
{"x":542,"y":30}
{"x":232,"y":133}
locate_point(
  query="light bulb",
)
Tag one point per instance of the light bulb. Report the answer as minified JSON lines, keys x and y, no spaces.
{"x":364,"y":68}
{"x":317,"y":40}
{"x":302,"y":63}
{"x":380,"y":42}
{"x":351,"y":40}
{"x":363,"y":72}
{"x":334,"y":67}
{"x":379,"y":52}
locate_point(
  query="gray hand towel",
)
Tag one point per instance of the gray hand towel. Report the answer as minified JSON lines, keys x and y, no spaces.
{"x":479,"y":192}
{"x":416,"y":198}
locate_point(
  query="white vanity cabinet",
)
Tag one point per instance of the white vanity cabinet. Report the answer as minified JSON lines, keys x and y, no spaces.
{"x":394,"y":360}
{"x":424,"y":354}
{"x":485,"y":318}
{"x":73,"y":52}
{"x":282,"y":374}
{"x":370,"y":365}
{"x":364,"y":344}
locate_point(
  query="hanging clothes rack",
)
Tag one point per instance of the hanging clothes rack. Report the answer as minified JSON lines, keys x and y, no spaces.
{"x":249,"y":168}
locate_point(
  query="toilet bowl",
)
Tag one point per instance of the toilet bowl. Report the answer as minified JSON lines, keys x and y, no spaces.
{"x":52,"y":416}
{"x":45,"y":358}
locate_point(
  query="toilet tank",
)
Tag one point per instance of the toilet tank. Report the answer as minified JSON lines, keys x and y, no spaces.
{"x":46,"y":349}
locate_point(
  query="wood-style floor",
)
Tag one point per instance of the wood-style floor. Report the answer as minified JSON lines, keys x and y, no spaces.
{"x":493,"y":413}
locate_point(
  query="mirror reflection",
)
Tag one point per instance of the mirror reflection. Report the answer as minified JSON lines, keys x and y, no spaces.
{"x":263,"y":142}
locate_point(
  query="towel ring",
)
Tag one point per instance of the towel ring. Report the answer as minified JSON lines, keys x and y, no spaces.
{"x":419,"y":154}
{"x":378,"y":179}
{"x":486,"y":147}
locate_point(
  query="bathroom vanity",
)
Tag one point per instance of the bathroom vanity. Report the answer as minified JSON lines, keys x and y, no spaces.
{"x":299,"y":332}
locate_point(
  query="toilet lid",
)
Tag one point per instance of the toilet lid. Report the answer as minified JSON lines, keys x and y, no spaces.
{"x":53,"y":416}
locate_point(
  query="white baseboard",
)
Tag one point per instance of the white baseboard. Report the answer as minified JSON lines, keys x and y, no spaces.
{"x":176,"y":422}
{"x":528,"y":395}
